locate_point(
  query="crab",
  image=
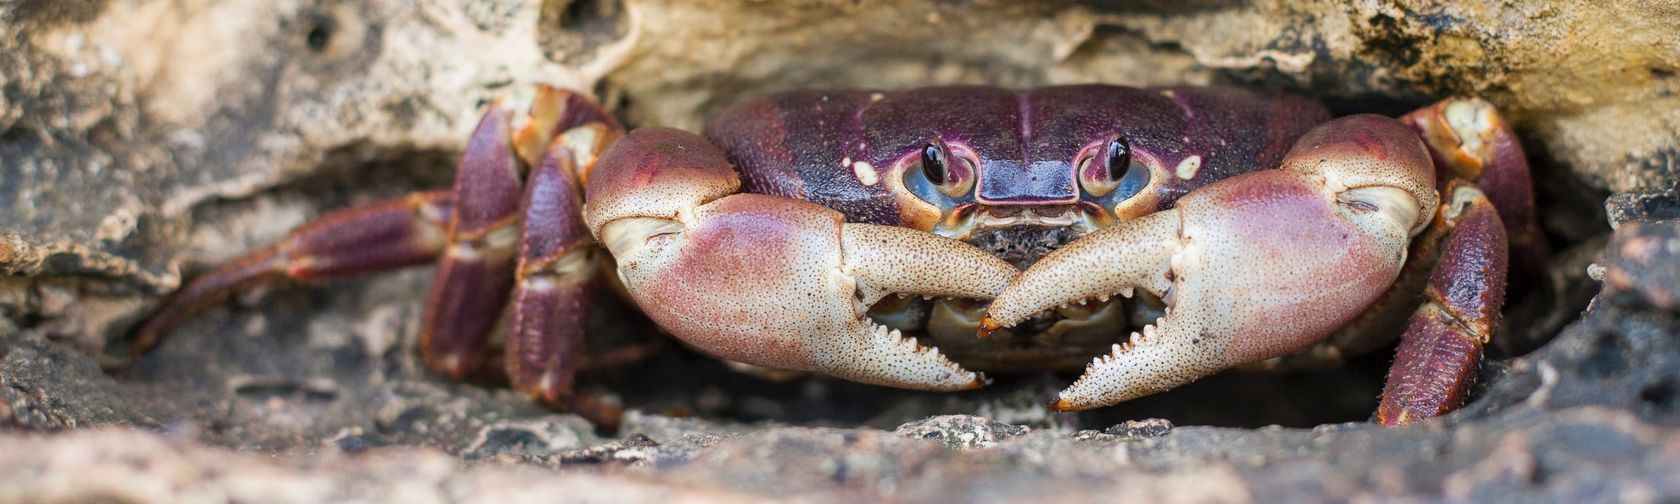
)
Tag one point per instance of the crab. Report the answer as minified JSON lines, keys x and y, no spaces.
{"x":921,"y":238}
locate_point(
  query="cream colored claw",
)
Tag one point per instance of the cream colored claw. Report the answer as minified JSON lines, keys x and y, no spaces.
{"x":786,"y":284}
{"x":1261,"y":265}
{"x":881,"y":260}
{"x":1115,"y":260}
{"x":1140,"y":254}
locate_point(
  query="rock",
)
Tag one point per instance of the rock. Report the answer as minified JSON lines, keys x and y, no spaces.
{"x":133,"y":466}
{"x":1640,"y":263}
{"x":961,"y":431}
{"x":1653,"y":205}
{"x":1153,"y":427}
{"x":142,"y":141}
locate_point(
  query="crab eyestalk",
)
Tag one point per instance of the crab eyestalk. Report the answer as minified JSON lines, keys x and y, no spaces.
{"x":1253,"y":267}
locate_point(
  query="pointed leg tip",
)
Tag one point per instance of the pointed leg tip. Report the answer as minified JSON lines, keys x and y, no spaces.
{"x":988,"y":325}
{"x":142,"y":340}
{"x":606,"y":416}
{"x":455,"y":365}
{"x":1060,"y":405}
{"x":1394,"y":419}
{"x":543,"y":391}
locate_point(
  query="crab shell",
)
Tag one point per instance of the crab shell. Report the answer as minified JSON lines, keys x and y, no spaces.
{"x":849,"y":150}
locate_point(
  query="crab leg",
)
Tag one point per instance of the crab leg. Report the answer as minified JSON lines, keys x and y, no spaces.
{"x":555,"y":276}
{"x":1469,"y":140}
{"x":539,"y":258}
{"x":487,"y":251}
{"x":475,"y":273}
{"x":1260,"y":265}
{"x":771,"y":281}
{"x":381,"y":236}
{"x":1436,"y":362}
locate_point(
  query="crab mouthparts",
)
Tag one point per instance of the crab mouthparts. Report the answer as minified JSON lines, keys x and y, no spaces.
{"x":996,"y":217}
{"x":1021,"y":234}
{"x":1023,"y":245}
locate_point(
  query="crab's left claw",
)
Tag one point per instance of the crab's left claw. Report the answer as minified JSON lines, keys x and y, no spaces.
{"x":771,"y":281}
{"x":1251,"y":267}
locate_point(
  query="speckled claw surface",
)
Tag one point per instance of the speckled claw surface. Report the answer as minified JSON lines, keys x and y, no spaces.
{"x":1252,"y":267}
{"x":771,"y":281}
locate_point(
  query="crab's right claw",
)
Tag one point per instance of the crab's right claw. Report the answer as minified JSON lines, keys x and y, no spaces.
{"x":1251,"y":267}
{"x":771,"y":281}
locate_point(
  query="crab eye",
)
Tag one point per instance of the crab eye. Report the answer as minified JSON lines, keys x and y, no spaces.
{"x":1112,"y":172}
{"x":1119,"y":157}
{"x":942,"y":172}
{"x":933,"y":163}
{"x":1132,"y":180}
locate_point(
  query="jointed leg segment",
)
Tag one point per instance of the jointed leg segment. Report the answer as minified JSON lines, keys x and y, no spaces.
{"x":475,"y":273}
{"x":499,"y":234}
{"x":1438,"y":356}
{"x":1487,"y":238}
{"x":551,"y":299}
{"x":378,"y":237}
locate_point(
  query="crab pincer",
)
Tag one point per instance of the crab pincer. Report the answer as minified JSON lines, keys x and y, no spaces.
{"x":772,"y":281}
{"x":1251,"y":267}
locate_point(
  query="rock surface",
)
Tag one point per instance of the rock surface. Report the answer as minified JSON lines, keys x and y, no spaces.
{"x":1593,"y":417}
{"x":140,"y":140}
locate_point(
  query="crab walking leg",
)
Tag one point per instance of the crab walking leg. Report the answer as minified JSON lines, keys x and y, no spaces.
{"x":475,"y":274}
{"x":378,"y":237}
{"x":554,"y":281}
{"x":771,"y":281}
{"x":1436,"y":363}
{"x":562,"y":138}
{"x":478,"y":269}
{"x":575,"y":121}
{"x":1261,"y":265}
{"x":417,"y":228}
{"x":1471,"y":141}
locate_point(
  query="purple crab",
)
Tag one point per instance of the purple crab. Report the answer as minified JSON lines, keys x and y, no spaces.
{"x":921,"y":238}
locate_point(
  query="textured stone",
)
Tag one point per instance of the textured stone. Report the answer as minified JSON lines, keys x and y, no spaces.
{"x":961,"y":431}
{"x":1640,"y":263}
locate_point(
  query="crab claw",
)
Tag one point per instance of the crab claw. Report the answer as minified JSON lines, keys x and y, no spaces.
{"x":771,"y":281}
{"x":1251,"y":267}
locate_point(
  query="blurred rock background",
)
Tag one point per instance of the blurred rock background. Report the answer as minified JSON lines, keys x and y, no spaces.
{"x":143,"y":140}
